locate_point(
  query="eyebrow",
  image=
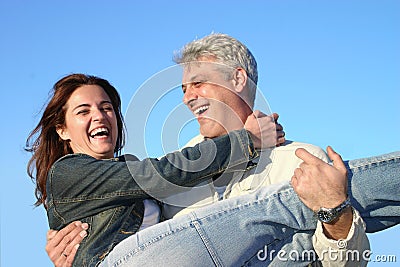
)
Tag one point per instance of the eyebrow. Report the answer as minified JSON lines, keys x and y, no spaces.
{"x":87,"y":105}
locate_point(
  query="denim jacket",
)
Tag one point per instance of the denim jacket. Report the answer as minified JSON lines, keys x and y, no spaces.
{"x":108,"y":194}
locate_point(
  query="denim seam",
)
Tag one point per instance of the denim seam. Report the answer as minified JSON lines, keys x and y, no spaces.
{"x":365,"y":165}
{"x":206,"y":241}
{"x":147,"y":244}
{"x":65,"y":200}
{"x":282,"y":193}
{"x":56,"y":213}
{"x":377,"y":160}
{"x":98,"y":257}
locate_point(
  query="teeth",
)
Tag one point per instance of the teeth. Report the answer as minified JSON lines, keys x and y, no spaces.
{"x":201,"y":109}
{"x":99,"y":130}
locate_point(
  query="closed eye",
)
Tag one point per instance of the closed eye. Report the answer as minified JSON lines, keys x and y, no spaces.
{"x":83,"y":112}
{"x":108,"y":108}
{"x":196,"y":84}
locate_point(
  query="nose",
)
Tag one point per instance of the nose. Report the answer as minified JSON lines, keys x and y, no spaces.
{"x":98,"y":114}
{"x":189,"y":95}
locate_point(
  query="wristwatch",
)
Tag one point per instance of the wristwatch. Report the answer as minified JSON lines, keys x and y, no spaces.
{"x":326,"y":215}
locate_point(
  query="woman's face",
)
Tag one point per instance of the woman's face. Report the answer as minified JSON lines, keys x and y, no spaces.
{"x":90,"y":122}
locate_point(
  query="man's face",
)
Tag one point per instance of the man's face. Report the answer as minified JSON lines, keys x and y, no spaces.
{"x":212,"y":98}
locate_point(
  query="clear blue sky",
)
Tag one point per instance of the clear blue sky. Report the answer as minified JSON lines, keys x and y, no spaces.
{"x":329,"y":68}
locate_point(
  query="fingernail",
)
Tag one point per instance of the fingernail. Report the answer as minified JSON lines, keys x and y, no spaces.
{"x":85,"y":226}
{"x":76,"y":246}
{"x":83,"y":234}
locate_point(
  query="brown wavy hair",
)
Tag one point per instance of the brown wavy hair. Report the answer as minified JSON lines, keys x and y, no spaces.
{"x":45,"y":144}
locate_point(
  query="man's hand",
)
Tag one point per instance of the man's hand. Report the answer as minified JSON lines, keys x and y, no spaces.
{"x":62,"y":245}
{"x":264,"y":131}
{"x":319,"y":184}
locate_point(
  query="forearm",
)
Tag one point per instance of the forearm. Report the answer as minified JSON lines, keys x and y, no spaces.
{"x":104,"y":184}
{"x":191,"y":166}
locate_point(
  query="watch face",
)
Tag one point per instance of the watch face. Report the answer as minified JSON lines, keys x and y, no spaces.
{"x":326,"y":215}
{"x":329,"y":215}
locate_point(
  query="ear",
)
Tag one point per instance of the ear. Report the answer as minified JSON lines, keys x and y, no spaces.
{"x":239,"y":80}
{"x":63,"y":133}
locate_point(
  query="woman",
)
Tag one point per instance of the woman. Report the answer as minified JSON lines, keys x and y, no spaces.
{"x":78,"y":177}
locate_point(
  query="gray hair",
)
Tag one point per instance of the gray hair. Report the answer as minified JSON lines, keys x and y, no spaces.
{"x":226,"y":50}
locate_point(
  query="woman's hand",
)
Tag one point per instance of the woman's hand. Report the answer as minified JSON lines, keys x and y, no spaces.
{"x":62,"y":245}
{"x":264,"y":129}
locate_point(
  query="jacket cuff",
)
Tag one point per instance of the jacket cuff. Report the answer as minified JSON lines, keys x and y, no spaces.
{"x":355,"y":244}
{"x":242,"y":139}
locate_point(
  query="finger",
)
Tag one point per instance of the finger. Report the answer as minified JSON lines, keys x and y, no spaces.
{"x":280,"y":141}
{"x":297,"y":186}
{"x":298,"y":173}
{"x":294,"y":181}
{"x":53,"y":249}
{"x":303,"y":166}
{"x":60,"y":261}
{"x":336,"y":158}
{"x":70,"y":228}
{"x":280,"y":133}
{"x":275,"y":116}
{"x":307,"y":157}
{"x":71,"y":256}
{"x":51,"y":234}
{"x":280,"y":137}
{"x":56,"y":246}
{"x":77,"y":239}
{"x":258,"y":114}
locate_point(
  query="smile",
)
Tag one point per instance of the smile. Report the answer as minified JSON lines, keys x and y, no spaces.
{"x":99,"y":132}
{"x":200,"y":110}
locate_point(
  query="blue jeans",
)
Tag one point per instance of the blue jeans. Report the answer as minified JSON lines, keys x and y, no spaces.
{"x":233,"y":232}
{"x":374,"y":188}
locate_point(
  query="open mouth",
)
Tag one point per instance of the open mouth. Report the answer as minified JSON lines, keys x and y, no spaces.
{"x":200,"y":110}
{"x":99,"y":132}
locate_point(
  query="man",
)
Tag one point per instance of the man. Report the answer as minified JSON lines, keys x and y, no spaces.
{"x":219,"y":84}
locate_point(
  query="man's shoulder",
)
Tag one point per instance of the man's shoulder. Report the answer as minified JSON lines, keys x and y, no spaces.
{"x":291,"y":146}
{"x":195,"y":140}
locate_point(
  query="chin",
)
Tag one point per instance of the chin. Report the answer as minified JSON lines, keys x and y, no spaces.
{"x":106,"y":152}
{"x":212,"y":133}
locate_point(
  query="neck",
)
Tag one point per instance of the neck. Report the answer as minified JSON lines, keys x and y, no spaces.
{"x":236,"y":123}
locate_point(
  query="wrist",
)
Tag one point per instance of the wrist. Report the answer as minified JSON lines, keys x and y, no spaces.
{"x":330,"y":215}
{"x":340,"y":227}
{"x":337,"y":221}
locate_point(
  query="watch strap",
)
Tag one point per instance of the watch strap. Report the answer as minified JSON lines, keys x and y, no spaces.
{"x":329,"y":215}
